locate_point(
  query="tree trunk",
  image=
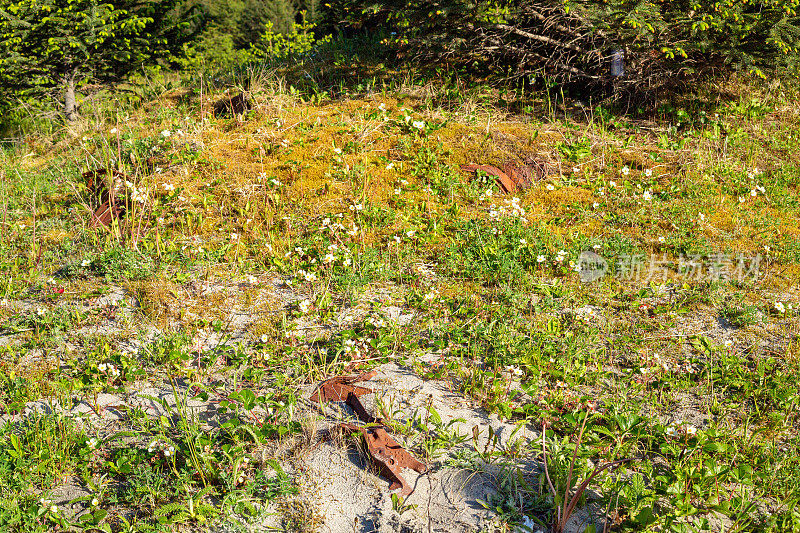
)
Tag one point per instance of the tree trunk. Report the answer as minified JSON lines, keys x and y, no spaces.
{"x":70,"y":110}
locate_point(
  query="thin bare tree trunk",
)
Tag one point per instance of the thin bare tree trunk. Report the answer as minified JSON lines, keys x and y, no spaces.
{"x":70,"y":109}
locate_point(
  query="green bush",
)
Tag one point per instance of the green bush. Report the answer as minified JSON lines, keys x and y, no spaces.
{"x":658,"y":42}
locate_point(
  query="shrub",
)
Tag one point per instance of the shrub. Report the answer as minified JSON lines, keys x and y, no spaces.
{"x":652,"y":43}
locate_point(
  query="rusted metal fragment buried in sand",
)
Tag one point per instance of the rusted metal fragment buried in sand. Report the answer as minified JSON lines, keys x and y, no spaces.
{"x":385,"y":451}
{"x":336,"y":389}
{"x":390,"y":456}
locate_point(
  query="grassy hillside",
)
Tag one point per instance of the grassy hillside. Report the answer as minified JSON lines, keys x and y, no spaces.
{"x":264,"y":251}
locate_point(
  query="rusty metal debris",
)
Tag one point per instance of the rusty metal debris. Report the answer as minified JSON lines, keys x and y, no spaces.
{"x":514,"y":175}
{"x":337,"y":389}
{"x":108,"y":204}
{"x":387,"y":453}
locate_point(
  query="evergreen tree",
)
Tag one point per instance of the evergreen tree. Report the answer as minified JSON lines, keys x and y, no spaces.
{"x":47,"y":44}
{"x":281,"y":13}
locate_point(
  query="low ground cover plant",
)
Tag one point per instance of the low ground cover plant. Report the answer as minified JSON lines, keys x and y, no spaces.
{"x":641,"y":293}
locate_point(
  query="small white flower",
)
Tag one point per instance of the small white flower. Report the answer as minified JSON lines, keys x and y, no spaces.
{"x":113,"y":131}
{"x":779,"y":307}
{"x":410,"y":233}
{"x":690,"y":429}
{"x":741,"y":199}
{"x":95,"y":502}
{"x":234,"y":236}
{"x":166,"y":133}
{"x":523,"y":242}
{"x":596,"y":205}
{"x":662,"y":240}
{"x":337,"y":150}
{"x":753,"y":193}
{"x":86,"y":262}
{"x":596,"y":247}
{"x":54,"y":509}
{"x":550,"y":187}
{"x":329,"y":258}
{"x":397,"y":192}
{"x":390,"y":166}
{"x":702,"y":217}
{"x":612,"y":184}
{"x":647,"y":195}
{"x":648,"y":172}
{"x":169,"y":187}
{"x":93,"y":443}
{"x":671,"y":431}
{"x":382,"y":107}
{"x":396,"y":239}
{"x":305,"y":306}
{"x":310,"y":277}
{"x":41,"y":311}
{"x":347,"y":261}
{"x":419,"y":124}
{"x":625,"y":171}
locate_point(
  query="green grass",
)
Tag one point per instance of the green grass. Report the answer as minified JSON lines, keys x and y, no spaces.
{"x":686,"y":371}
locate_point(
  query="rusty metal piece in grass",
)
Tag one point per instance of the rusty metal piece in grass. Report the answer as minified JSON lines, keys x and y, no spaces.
{"x":503,"y":180}
{"x":514,"y":175}
{"x":337,"y":389}
{"x":107,"y":204}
